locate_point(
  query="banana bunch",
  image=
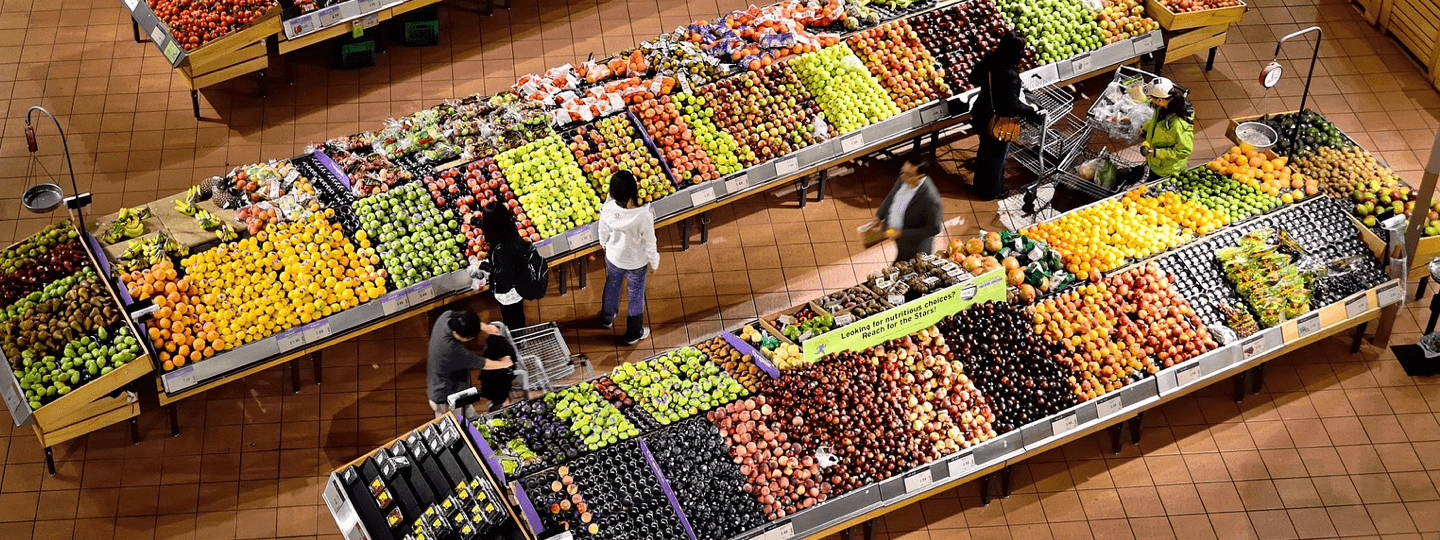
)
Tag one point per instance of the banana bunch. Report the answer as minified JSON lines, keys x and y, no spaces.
{"x":129,"y":223}
{"x":226,"y":233}
{"x":206,"y":220}
{"x":186,"y":207}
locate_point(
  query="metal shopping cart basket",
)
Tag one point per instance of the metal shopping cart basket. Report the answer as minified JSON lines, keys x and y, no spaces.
{"x":543,"y":353}
{"x":1045,"y":147}
{"x":1111,"y":141}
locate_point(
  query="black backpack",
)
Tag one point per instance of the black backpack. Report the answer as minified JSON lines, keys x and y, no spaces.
{"x":533,"y":280}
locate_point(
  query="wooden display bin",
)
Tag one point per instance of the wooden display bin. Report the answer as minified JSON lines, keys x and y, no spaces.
{"x":1416,"y":25}
{"x":1371,"y":9}
{"x":239,"y":53}
{"x":1170,"y":20}
{"x":98,"y":403}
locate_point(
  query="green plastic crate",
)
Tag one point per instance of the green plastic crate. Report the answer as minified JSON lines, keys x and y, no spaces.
{"x":357,"y":55}
{"x":422,"y":33}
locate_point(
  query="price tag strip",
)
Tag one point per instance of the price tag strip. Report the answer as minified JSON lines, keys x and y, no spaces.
{"x":852,"y":143}
{"x":787,"y":166}
{"x":1357,"y":306}
{"x":1109,"y":406}
{"x":918,"y":481}
{"x":737,"y":184}
{"x":1062,"y":425}
{"x":1308,"y":324}
{"x":961,"y":466}
{"x":581,"y":236}
{"x":702,"y":197}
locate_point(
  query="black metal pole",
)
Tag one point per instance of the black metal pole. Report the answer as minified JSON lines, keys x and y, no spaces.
{"x":1314,"y":55}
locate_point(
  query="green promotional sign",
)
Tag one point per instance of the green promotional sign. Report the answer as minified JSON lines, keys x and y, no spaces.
{"x":909,"y":318}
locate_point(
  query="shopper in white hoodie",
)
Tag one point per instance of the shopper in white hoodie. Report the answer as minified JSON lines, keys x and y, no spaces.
{"x":627,"y":232}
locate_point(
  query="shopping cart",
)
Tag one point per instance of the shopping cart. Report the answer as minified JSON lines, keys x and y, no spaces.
{"x":1110,"y":141}
{"x":1045,"y":147}
{"x":543,"y":353}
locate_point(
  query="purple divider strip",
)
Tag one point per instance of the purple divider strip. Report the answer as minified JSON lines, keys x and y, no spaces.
{"x":99,"y":253}
{"x":486,"y":452}
{"x":654,"y":149}
{"x":755,"y":355}
{"x":333,"y":168}
{"x":665,"y":486}
{"x":526,"y":507}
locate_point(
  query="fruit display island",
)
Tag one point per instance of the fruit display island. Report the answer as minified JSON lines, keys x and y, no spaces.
{"x":950,"y":366}
{"x":274,"y":260}
{"x":68,"y":346}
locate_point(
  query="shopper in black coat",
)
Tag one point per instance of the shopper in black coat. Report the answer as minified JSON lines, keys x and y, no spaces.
{"x":998,"y":77}
{"x":506,"y":263}
{"x":912,"y":212}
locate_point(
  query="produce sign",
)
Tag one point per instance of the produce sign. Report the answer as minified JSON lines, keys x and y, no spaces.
{"x":1057,"y":29}
{"x":850,"y":97}
{"x":907,"y":318}
{"x":549,"y":185}
{"x":895,"y":57}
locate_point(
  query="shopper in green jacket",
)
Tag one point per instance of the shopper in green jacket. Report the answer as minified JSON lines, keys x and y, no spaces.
{"x":1170,"y":134}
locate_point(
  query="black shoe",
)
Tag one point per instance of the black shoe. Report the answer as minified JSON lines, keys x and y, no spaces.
{"x":635,"y":330}
{"x":604,"y":322}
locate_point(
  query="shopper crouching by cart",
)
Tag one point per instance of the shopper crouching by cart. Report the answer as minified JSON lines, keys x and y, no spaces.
{"x":1170,"y":134}
{"x":449,"y":361}
{"x":996,"y":111}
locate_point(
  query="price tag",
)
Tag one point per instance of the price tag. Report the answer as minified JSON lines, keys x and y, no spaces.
{"x":317,"y":332}
{"x":1390,"y":294}
{"x":157,"y":34}
{"x":180,"y":379}
{"x":367,"y":6}
{"x":333,"y":497}
{"x":852,"y":143}
{"x":329,"y":16}
{"x":896,"y":299}
{"x":370,"y":21}
{"x":930,"y":114}
{"x":1357,"y":306}
{"x":132,"y":4}
{"x":783,"y":532}
{"x":844,"y":319}
{"x":918,"y":481}
{"x":565,"y":535}
{"x":354,"y":533}
{"x":1252,"y":347}
{"x":702,"y":196}
{"x":300,"y":26}
{"x":1109,"y":406}
{"x":421,"y":294}
{"x":1080,"y":65}
{"x":291,"y":340}
{"x":1063,"y":424}
{"x":1187,"y":375}
{"x":787,"y":166}
{"x":1308,"y":324}
{"x":581,"y":237}
{"x":394,"y":302}
{"x":738,"y":183}
{"x":962,"y":465}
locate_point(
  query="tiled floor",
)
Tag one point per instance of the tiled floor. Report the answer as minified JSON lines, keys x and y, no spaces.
{"x":1336,"y":445}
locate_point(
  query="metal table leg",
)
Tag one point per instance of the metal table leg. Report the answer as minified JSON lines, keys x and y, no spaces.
{"x":803,"y":186}
{"x":195,"y":102}
{"x":563,"y":286}
{"x":1005,"y":482}
{"x":820,"y":187}
{"x":1239,"y":385}
{"x":294,"y":377}
{"x":704,"y":227}
{"x":1117,"y":432}
{"x":135,"y":26}
{"x":134,"y":432}
{"x":1257,"y":378}
{"x":315,"y":361}
{"x":685,"y":235}
{"x":1137,"y":426}
{"x":985,"y":490}
{"x":1210,"y":60}
{"x":584,"y":263}
{"x":1420,"y":288}
{"x":1434,"y":312}
{"x":50,"y":460}
{"x":1359,"y":336}
{"x":174,"y":420}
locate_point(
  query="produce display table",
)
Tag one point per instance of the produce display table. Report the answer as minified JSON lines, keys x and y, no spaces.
{"x":1193,"y":32}
{"x":106,"y":400}
{"x":337,"y":20}
{"x":1413,"y":23}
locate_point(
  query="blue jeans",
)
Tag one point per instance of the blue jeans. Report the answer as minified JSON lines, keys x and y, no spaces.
{"x":610,"y":302}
